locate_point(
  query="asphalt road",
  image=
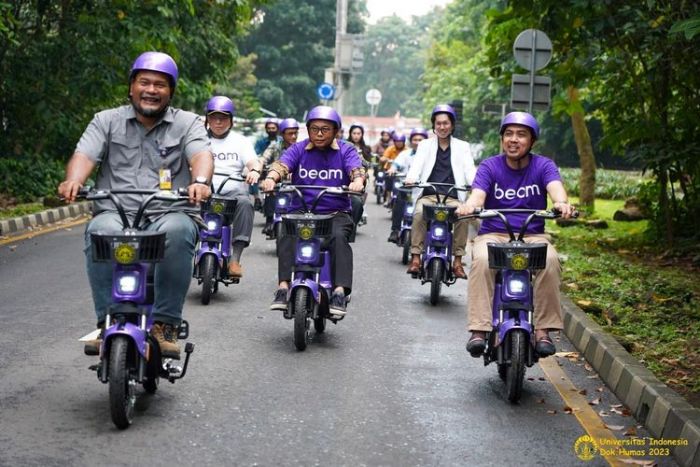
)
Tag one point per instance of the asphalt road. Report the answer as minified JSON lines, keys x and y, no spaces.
{"x":389,"y":385}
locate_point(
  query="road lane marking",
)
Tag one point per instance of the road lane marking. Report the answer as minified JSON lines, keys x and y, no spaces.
{"x":42,"y":230}
{"x":587,"y":417}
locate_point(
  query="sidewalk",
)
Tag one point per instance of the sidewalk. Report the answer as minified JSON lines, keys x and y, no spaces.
{"x":661,"y":410}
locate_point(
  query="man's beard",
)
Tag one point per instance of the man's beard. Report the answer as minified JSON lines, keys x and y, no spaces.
{"x":149,"y":113}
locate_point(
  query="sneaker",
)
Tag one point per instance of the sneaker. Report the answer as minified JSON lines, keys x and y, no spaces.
{"x":166,"y":336}
{"x":337,"y":304}
{"x":280,"y":301}
{"x":393,"y":237}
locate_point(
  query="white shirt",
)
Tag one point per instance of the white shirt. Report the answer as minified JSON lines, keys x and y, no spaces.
{"x":461,"y":159}
{"x":231,"y":154}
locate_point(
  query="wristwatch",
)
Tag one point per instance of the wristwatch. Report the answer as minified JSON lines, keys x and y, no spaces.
{"x":201,"y":179}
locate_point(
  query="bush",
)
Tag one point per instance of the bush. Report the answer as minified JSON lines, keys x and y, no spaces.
{"x":610,"y":184}
{"x":30,"y":178}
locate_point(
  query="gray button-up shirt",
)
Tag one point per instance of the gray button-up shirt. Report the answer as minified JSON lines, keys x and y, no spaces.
{"x":130,"y":156}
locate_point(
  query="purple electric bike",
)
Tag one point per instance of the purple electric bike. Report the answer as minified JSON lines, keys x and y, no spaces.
{"x":214,"y":248}
{"x":436,"y":259}
{"x":511,"y":343}
{"x":312,"y":284}
{"x":128,"y":354}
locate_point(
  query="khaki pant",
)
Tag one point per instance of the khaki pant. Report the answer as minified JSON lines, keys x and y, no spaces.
{"x":481,"y":284}
{"x":420,"y":228}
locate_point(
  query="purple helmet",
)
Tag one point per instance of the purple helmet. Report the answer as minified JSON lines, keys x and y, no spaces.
{"x":443,"y":109}
{"x":323,"y":112}
{"x":398,"y":137}
{"x":521,"y":118}
{"x":389,"y":131}
{"x":273,"y":120}
{"x":156,"y":61}
{"x":418,"y":131}
{"x":221,"y":104}
{"x":288,"y":123}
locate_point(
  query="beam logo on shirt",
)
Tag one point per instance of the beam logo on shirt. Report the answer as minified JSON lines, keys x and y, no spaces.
{"x":226,"y":156}
{"x":320,"y":174}
{"x":521,"y":193}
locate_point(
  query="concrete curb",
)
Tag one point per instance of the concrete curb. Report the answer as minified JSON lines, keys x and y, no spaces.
{"x":20,"y":224}
{"x":661,"y":410}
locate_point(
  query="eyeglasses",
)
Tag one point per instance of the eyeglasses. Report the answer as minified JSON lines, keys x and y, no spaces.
{"x":320,"y":130}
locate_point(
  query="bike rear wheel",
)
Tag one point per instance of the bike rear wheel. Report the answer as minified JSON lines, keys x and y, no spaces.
{"x":207,"y":267}
{"x":437,"y":269}
{"x":301,"y":318}
{"x":122,"y":386}
{"x":515,"y":370}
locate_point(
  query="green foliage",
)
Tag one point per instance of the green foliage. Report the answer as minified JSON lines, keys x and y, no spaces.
{"x":394,"y":60}
{"x":61,"y":62}
{"x":633,"y":63}
{"x":610,"y":184}
{"x":30,"y":177}
{"x":294,"y":42}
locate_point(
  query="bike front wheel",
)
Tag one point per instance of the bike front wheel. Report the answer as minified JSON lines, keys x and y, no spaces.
{"x":207,"y":266}
{"x":122,"y":386}
{"x":301,"y":318}
{"x":437,"y":270}
{"x":515,"y":370}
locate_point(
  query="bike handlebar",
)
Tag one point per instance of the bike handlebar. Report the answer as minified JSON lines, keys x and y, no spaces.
{"x":324,"y":190}
{"x":90,"y":194}
{"x":480,"y":213}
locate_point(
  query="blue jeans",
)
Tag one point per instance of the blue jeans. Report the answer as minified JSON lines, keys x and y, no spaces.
{"x":172,"y":275}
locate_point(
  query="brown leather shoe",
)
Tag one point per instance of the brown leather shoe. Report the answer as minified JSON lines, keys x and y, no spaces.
{"x":234,"y":269}
{"x":414,"y":267}
{"x":166,"y":336}
{"x":458,"y":269}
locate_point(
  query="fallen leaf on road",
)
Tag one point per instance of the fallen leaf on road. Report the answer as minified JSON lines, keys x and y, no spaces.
{"x":551,"y":412}
{"x":644,"y":462}
{"x":587,"y":366}
{"x":615,"y":427}
{"x":600,"y":389}
{"x":595,"y":401}
{"x":540,"y":401}
{"x":583,"y":392}
{"x":603,"y":413}
{"x":631,"y":431}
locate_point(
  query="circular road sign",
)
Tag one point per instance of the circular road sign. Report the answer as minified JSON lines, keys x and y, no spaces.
{"x":373,"y":97}
{"x":532,"y":49}
{"x":325,"y":91}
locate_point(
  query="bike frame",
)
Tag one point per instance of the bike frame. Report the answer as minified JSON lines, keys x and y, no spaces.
{"x":132,"y":294}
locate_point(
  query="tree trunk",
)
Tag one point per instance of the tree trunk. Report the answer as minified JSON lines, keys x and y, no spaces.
{"x":585,"y":153}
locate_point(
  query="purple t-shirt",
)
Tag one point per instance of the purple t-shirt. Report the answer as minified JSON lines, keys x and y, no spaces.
{"x":327,"y":167}
{"x":507,"y":188}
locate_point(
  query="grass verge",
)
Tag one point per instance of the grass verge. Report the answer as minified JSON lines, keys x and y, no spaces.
{"x":21,"y":209}
{"x":647,"y":298}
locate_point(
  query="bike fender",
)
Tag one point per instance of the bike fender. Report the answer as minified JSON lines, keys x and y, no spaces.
{"x":130,"y":330}
{"x":309,"y":284}
{"x":511,"y":324}
{"x":205,"y":249}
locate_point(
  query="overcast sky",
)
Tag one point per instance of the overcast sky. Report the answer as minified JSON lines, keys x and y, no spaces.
{"x":403,"y":8}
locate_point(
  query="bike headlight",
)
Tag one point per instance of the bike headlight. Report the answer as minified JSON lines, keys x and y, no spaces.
{"x":516,"y":286}
{"x":127,"y":284}
{"x":380,"y":174}
{"x":410,"y":209}
{"x":212,"y":224}
{"x":307,"y":251}
{"x":281,"y":201}
{"x":397,"y":185}
{"x":438,"y":231}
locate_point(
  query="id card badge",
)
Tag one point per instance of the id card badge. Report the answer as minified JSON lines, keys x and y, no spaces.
{"x":166,"y":180}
